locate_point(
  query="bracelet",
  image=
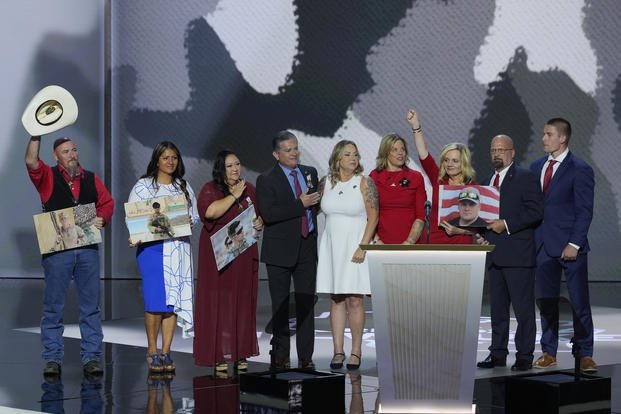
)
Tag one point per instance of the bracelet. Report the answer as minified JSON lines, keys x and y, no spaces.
{"x":419,"y":129}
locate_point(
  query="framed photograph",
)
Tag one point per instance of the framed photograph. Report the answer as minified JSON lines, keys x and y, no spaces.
{"x":468,"y":206}
{"x":231,"y":240}
{"x":158,"y":219}
{"x":67,"y":228}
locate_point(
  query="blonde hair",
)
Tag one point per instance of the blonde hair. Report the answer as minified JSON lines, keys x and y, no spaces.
{"x":335,"y":159}
{"x":388,"y":140}
{"x":467,"y":172}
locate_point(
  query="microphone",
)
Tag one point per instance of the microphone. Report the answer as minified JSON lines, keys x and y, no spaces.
{"x":427,"y":208}
{"x":427,"y":214}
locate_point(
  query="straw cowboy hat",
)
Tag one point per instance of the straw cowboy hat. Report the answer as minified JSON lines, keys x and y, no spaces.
{"x":51,"y":109}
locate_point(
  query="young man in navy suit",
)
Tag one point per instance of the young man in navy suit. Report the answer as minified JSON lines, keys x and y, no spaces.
{"x":511,"y":265}
{"x":288,"y":201}
{"x":568,"y":185}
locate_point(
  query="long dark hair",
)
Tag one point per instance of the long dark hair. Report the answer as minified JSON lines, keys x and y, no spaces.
{"x":219,"y":171}
{"x":178,"y":182}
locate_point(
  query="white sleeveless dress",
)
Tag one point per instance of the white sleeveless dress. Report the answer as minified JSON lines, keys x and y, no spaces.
{"x":346,"y":218}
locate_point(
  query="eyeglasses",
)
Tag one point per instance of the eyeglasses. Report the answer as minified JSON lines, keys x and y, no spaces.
{"x":500,"y":150}
{"x":468,"y":195}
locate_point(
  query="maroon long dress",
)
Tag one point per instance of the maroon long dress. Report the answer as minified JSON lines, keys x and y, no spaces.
{"x":225,"y":301}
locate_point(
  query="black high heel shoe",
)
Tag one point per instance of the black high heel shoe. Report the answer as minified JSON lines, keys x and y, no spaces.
{"x":335,"y":364}
{"x":354,"y":366}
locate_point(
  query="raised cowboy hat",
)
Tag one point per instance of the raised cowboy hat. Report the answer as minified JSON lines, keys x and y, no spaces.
{"x":51,"y":109}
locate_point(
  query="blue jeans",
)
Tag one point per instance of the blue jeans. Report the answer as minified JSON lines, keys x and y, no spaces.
{"x":81,"y":265}
{"x":53,"y":398}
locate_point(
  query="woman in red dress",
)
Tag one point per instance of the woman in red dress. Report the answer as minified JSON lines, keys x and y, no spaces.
{"x":455,"y":169}
{"x":226,"y":300}
{"x":401,"y":193}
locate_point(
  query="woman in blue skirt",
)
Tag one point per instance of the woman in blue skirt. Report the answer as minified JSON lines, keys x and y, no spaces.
{"x":165,"y":265}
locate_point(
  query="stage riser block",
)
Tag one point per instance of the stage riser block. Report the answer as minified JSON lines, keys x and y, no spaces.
{"x":293,"y":391}
{"x":558,"y":393}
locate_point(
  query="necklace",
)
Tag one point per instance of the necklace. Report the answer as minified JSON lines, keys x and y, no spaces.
{"x":391,"y":177}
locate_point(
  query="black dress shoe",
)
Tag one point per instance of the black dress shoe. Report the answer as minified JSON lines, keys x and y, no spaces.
{"x":521,"y":365}
{"x":491,"y":362}
{"x":306,"y":364}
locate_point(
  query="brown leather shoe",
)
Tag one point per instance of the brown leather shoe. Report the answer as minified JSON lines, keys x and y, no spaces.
{"x":587,"y":365}
{"x":280,"y":364}
{"x":545,"y":361}
{"x":306,"y":364}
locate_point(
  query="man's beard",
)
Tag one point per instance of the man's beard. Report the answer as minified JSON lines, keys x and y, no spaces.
{"x":72,"y":169}
{"x":498,"y":164}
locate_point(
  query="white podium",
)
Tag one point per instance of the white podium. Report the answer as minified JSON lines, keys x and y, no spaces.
{"x":426,"y":310}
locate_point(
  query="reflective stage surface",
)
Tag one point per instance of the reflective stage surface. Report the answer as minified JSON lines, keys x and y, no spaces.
{"x":126,"y":387}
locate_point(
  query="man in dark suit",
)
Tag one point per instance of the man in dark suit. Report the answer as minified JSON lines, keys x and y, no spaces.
{"x":511,"y":265}
{"x":562,"y":246}
{"x":288,"y":201}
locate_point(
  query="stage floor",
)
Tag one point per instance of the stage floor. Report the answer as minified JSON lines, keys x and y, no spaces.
{"x":124,"y":387}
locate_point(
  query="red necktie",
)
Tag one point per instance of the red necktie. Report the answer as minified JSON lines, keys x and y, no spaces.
{"x":298,"y":192}
{"x":496,"y":180}
{"x":547,"y":177}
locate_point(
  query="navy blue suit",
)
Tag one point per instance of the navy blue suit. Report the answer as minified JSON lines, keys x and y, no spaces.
{"x":511,"y":265}
{"x":568,"y":210}
{"x":287,"y":256}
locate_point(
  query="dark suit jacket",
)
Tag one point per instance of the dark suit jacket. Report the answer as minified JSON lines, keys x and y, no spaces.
{"x":521,"y":207}
{"x":568,"y":205}
{"x":282,"y":213}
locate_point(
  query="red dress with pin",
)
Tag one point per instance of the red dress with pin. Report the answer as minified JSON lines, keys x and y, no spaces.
{"x":402,"y":199}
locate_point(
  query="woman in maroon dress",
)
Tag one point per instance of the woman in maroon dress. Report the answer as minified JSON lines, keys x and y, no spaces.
{"x":226,"y":300}
{"x":401,"y":193}
{"x":455,"y":169}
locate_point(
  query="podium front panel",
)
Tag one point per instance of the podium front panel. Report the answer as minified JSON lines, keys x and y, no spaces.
{"x":426,"y":309}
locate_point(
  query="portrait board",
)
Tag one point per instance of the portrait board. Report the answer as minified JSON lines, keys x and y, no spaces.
{"x":468,"y":206}
{"x":158,"y":218}
{"x":234,"y":238}
{"x":67,"y":228}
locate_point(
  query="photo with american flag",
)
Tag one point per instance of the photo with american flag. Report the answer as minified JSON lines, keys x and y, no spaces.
{"x":468,"y":205}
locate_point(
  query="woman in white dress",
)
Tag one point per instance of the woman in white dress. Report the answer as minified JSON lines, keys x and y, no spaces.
{"x":349,"y":201}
